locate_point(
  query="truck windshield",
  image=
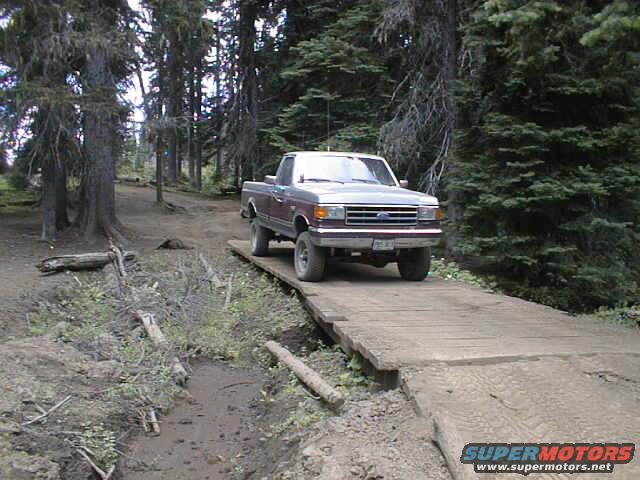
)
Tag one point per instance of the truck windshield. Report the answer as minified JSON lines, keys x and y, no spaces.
{"x":343,"y":169}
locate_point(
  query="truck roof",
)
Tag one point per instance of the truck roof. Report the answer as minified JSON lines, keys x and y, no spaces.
{"x":322,"y":153}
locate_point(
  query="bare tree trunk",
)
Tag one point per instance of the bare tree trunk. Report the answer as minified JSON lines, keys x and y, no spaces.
{"x":454,"y":208}
{"x":198,"y":124}
{"x":191,"y":127}
{"x":249,"y":87}
{"x":173,"y":104}
{"x":217,"y":175}
{"x":160,"y":128}
{"x":48,"y":202}
{"x":159,"y":168}
{"x":62,"y":217}
{"x":99,"y":214}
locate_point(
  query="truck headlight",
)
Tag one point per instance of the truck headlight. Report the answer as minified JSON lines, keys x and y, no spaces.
{"x":426,"y":214}
{"x":329,"y":213}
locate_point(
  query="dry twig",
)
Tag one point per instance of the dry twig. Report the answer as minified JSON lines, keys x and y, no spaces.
{"x":48,"y":412}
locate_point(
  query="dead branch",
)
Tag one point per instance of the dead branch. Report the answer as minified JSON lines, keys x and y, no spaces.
{"x":48,"y":412}
{"x":103,"y":475}
{"x":153,"y":421}
{"x":118,"y":260}
{"x":306,"y":375}
{"x":212,"y":276}
{"x":150,"y":324}
{"x":227,"y":299}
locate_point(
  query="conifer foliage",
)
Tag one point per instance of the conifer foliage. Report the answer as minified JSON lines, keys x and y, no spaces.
{"x":549,"y":151}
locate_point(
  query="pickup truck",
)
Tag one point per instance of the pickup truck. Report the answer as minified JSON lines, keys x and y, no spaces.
{"x":344,"y":206}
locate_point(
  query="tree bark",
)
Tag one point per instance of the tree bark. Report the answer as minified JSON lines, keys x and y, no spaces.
{"x":191,"y":127}
{"x":160,"y":127}
{"x":198,"y":123}
{"x":99,"y":214}
{"x":217,"y":175}
{"x":173,"y":104}
{"x":62,"y":217}
{"x":83,"y":261}
{"x":248,"y":114}
{"x":450,"y":29}
{"x":48,"y":202}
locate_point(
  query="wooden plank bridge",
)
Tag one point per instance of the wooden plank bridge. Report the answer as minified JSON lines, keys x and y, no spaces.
{"x":483,"y":367}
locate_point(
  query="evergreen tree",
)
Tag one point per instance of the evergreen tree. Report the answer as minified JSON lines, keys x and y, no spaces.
{"x":549,"y":148}
{"x":341,"y":74}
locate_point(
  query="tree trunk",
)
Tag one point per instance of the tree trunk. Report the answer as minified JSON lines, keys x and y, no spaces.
{"x":48,"y":202}
{"x":99,"y":215}
{"x":173,"y":104}
{"x":191,"y":127}
{"x":160,"y":127}
{"x":198,"y":118}
{"x":454,"y":208}
{"x":217,"y":175}
{"x":248,"y":105}
{"x":62,"y":217}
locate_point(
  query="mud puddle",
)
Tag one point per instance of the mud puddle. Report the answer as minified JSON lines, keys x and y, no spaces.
{"x":207,"y":437}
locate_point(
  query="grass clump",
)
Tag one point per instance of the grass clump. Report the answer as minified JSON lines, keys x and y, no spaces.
{"x":258,"y":310}
{"x":12,"y":198}
{"x":450,"y":270}
{"x":102,"y":443}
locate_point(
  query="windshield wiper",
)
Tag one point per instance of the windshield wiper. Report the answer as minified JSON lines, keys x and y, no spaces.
{"x":365,"y":180}
{"x":322,"y":180}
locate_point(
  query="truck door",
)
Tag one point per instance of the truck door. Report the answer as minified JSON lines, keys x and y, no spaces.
{"x":280,"y":208}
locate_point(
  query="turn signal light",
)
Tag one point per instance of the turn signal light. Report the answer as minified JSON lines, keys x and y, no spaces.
{"x":329,"y":212}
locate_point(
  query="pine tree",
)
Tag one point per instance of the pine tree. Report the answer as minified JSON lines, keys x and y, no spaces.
{"x":341,"y":75}
{"x":38,"y":91}
{"x":549,"y":148}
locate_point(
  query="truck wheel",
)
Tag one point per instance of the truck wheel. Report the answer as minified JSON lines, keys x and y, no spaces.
{"x":260,"y":237}
{"x":309,"y":260}
{"x":414,"y":263}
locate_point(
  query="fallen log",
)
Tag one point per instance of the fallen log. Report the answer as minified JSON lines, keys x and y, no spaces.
{"x":306,"y":375}
{"x":148,"y":320}
{"x":82,"y":261}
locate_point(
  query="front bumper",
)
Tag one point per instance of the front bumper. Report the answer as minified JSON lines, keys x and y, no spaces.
{"x":362,"y":238}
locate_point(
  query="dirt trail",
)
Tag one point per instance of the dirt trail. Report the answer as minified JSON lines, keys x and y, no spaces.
{"x":201,"y":222}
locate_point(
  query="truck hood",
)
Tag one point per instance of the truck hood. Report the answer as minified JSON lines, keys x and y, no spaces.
{"x":361,"y":193}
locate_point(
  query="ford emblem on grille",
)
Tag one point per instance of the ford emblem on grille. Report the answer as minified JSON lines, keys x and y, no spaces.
{"x":383,"y":216}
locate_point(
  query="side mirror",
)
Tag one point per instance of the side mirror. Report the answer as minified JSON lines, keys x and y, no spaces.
{"x":270,"y":179}
{"x":404,"y":183}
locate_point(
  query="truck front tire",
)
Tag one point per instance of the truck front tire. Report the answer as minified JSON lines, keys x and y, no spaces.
{"x":259,"y":237}
{"x":414,"y":263}
{"x":309,"y":260}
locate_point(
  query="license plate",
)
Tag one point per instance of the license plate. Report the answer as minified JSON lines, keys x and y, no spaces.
{"x":384,"y":245}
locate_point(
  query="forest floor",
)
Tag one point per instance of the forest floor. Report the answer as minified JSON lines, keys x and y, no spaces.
{"x":72,"y":336}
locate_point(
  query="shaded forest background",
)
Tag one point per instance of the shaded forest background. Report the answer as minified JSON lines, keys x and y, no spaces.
{"x":521,"y":116}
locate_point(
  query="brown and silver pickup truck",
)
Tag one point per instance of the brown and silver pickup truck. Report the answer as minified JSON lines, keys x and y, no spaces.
{"x":344,"y":206}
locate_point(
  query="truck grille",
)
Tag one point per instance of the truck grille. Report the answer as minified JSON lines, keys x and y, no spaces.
{"x":383,"y":216}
